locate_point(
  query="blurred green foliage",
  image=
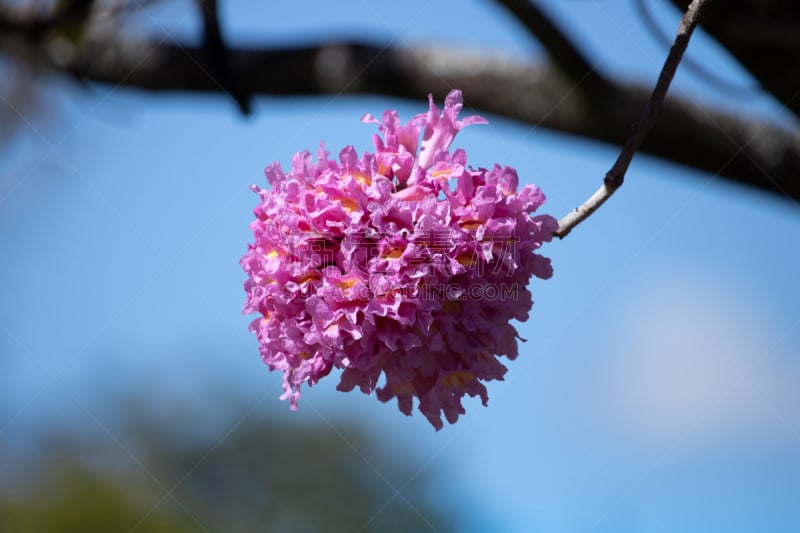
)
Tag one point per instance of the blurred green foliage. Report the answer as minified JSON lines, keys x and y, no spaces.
{"x":151,"y":476}
{"x":72,"y":498}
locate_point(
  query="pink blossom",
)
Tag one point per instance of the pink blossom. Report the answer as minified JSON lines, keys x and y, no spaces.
{"x":440,"y":130}
{"x":403,"y":269}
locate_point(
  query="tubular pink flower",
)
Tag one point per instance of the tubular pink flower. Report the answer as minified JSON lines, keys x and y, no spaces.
{"x":440,"y":130}
{"x":403,"y":269}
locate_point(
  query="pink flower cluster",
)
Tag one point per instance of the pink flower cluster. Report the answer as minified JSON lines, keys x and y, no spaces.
{"x":401,"y":268}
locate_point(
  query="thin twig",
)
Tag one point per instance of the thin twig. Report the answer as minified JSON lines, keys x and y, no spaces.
{"x":616,"y":175}
{"x":750,"y":151}
{"x":702,"y":73}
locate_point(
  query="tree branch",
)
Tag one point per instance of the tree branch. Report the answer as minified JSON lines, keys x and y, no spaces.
{"x":701,"y":72}
{"x":616,"y":175}
{"x":764,"y":35}
{"x":217,"y":54}
{"x":564,"y":54}
{"x":745,"y":151}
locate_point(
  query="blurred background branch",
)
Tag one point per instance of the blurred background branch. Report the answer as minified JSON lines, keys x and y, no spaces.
{"x":764,"y":35}
{"x":569,"y":95}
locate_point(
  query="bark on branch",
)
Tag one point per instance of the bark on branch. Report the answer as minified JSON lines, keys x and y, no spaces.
{"x":616,"y":175}
{"x":562,"y":50}
{"x":704,"y":139}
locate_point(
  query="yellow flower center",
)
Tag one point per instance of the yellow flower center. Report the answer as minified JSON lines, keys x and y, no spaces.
{"x":466,"y":259}
{"x":459,"y":378}
{"x":348,"y":204}
{"x":394,"y":253}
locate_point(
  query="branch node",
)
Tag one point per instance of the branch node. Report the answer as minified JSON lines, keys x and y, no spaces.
{"x":615,"y":177}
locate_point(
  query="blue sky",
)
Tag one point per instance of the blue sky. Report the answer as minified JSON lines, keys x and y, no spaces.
{"x":658,"y":390}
